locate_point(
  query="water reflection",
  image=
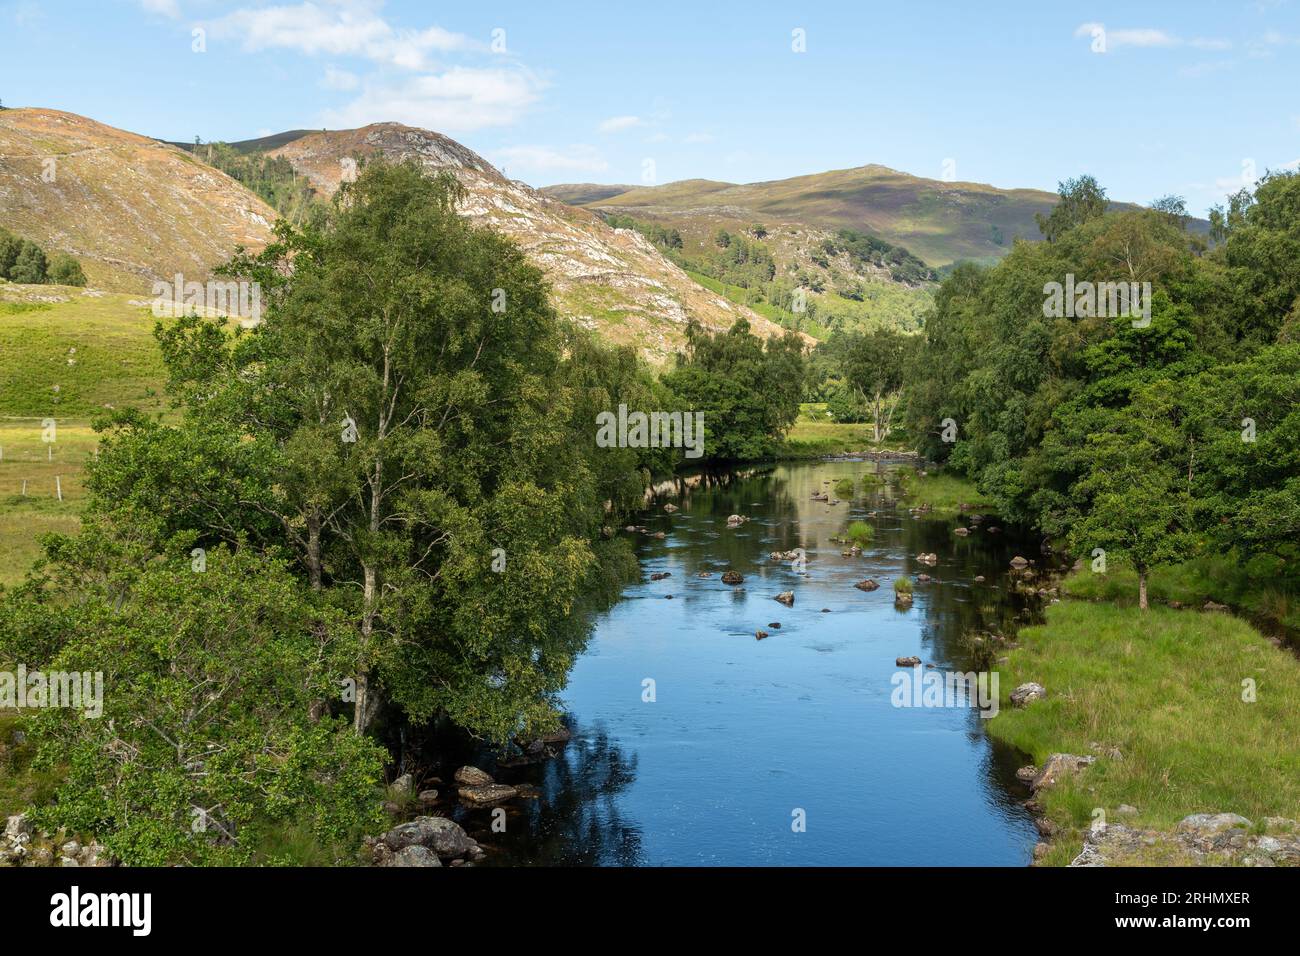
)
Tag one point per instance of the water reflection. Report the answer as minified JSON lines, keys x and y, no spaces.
{"x":743,"y":734}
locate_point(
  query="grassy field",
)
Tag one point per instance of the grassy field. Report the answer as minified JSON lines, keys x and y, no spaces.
{"x":1166,"y":689}
{"x":815,"y":435}
{"x":940,"y":492}
{"x":64,"y":361}
{"x":1257,"y":587}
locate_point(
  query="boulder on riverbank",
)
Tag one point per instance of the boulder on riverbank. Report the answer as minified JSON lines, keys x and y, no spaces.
{"x":487,"y":795}
{"x":1202,"y":839}
{"x":473,"y":777}
{"x":1057,"y":767}
{"x":1026,"y":694}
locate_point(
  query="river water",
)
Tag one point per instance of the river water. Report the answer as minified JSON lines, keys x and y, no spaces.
{"x":745,"y":738}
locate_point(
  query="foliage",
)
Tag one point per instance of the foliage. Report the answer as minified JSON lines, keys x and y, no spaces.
{"x":747,"y":389}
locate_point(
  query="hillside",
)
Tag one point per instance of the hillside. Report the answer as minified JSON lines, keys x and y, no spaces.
{"x":132,"y":210}
{"x":940,"y":222}
{"x":610,"y":280}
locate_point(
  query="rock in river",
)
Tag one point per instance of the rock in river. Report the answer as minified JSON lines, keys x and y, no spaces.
{"x":473,"y":777}
{"x":870,"y":584}
{"x":488,"y":795}
{"x":908,"y":662}
{"x":786,"y":598}
{"x":732,"y":577}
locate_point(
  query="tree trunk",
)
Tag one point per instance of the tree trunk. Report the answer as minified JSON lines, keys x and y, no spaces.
{"x":364,"y":707}
{"x":1142,"y":589}
{"x":313,"y":549}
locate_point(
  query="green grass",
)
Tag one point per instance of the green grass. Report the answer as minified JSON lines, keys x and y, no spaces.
{"x":1257,"y":586}
{"x":902,"y":585}
{"x":1165,"y":688}
{"x":941,"y":492}
{"x":75,"y":358}
{"x":845,"y":487}
{"x":860,"y":533}
{"x":815,"y":436}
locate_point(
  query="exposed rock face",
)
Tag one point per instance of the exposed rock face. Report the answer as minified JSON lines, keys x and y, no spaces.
{"x":611,"y":280}
{"x":1025,"y":694}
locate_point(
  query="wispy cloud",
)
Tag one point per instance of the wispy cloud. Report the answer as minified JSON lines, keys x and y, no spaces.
{"x":166,"y":8}
{"x":616,"y":124}
{"x":457,"y":99}
{"x":579,"y":158}
{"x":1145,"y":38}
{"x":430,"y":76}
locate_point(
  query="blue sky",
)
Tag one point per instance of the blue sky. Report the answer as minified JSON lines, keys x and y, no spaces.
{"x":1187,"y":97}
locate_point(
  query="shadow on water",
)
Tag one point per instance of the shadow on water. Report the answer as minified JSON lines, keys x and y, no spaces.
{"x":739,"y":736}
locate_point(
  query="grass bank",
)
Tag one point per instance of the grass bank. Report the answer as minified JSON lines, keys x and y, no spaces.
{"x":1166,"y":688}
{"x":942,"y":492}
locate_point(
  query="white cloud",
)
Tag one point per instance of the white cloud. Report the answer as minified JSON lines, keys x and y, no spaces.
{"x":1146,"y":38}
{"x":458,"y":99}
{"x":659,"y":137}
{"x":579,"y":158}
{"x":616,"y":124}
{"x":699,"y":138}
{"x":166,"y":8}
{"x":336,"y":79}
{"x":338,"y":28}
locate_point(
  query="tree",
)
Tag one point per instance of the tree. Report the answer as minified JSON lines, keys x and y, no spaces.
{"x":748,"y":390}
{"x":1082,"y":200}
{"x":29,"y":265}
{"x":873,"y":364}
{"x":204,"y":742}
{"x":65,"y":270}
{"x":397,"y":420}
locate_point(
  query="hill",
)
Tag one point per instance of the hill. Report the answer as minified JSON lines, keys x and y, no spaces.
{"x":132,"y":210}
{"x":611,"y":280}
{"x":940,"y":222}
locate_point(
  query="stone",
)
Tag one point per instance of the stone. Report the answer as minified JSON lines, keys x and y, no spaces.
{"x":908,"y":661}
{"x":870,"y":584}
{"x":473,"y":777}
{"x":1026,"y":774}
{"x":1124,"y":810}
{"x":1211,"y":824}
{"x":1025,"y":694}
{"x":403,"y":784}
{"x":775,"y":625}
{"x":670,"y":509}
{"x":928,"y":558}
{"x":428,"y":797}
{"x":18,"y":827}
{"x":1019,"y":563}
{"x":487,"y":795}
{"x":732,"y":577}
{"x":759,"y":635}
{"x":961,"y":532}
{"x":1057,"y":767}
{"x":412,"y":856}
{"x":786,"y":598}
{"x":979,"y":579}
{"x":444,"y":837}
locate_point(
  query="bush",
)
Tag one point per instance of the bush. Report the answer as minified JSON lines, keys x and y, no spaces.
{"x":861,"y":533}
{"x":844,"y":488}
{"x":65,"y":270}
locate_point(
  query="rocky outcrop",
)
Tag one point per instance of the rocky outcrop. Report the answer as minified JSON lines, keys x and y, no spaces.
{"x":23,"y":845}
{"x":1201,"y":839}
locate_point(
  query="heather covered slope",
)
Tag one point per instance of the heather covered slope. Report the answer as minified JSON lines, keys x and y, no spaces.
{"x":130,"y":209}
{"x":610,"y":280}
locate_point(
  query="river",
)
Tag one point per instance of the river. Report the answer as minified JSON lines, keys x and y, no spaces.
{"x":738,"y":741}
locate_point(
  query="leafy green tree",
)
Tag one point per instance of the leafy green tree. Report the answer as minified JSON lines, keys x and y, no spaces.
{"x":1082,"y":200}
{"x":204,"y":743}
{"x":748,"y":390}
{"x":400,"y":423}
{"x":29,"y":265}
{"x":65,"y":270}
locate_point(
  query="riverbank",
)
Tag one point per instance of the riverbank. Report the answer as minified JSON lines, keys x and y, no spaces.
{"x":1185,"y":712}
